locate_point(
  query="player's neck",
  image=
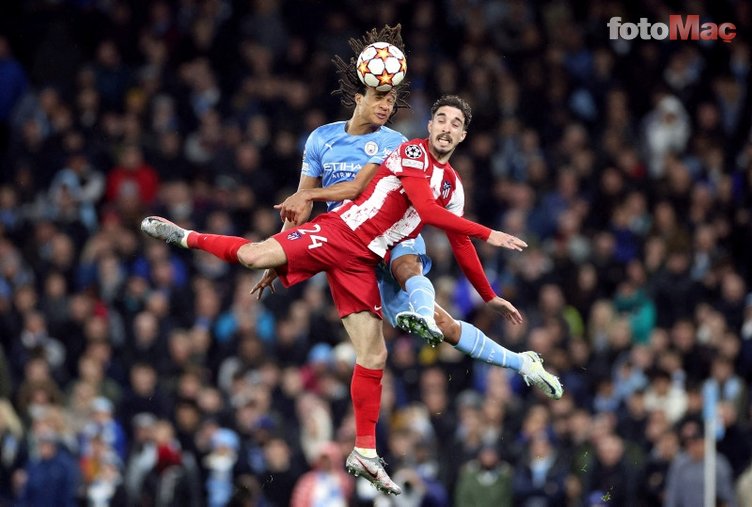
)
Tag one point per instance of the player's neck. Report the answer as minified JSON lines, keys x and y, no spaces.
{"x":441,"y":159}
{"x":357,"y":127}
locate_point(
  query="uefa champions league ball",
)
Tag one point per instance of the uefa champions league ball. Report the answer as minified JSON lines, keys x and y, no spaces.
{"x":382,"y":66}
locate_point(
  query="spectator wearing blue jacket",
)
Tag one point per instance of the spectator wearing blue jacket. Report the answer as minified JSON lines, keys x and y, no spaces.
{"x":52,"y":477}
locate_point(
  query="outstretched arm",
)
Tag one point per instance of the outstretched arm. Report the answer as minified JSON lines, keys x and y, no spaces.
{"x":293,"y":208}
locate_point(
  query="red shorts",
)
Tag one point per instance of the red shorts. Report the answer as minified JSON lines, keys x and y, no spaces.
{"x":327,"y":244}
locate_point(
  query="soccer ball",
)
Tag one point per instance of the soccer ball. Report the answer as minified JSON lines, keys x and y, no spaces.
{"x":382,"y":66}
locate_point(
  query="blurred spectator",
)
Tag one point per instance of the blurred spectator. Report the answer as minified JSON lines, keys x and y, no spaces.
{"x":35,"y":341}
{"x":665,"y":396}
{"x":283,"y":470}
{"x":106,"y":488}
{"x":91,"y":371}
{"x":633,"y":302}
{"x":685,"y":483}
{"x":101,"y":475}
{"x":133,"y":177}
{"x":539,"y":478}
{"x":144,"y":395}
{"x":103,"y":427}
{"x":39,"y":390}
{"x":316,"y":425}
{"x":327,"y":484}
{"x":734,"y":444}
{"x":485,"y":481}
{"x":111,"y":75}
{"x":51,"y":476}
{"x":142,"y":456}
{"x":219,"y":464}
{"x":666,"y":131}
{"x":83,"y":184}
{"x":613,"y":472}
{"x":173,"y":479}
{"x":656,"y":469}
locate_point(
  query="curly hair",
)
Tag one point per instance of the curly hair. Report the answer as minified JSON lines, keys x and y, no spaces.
{"x":350,"y":84}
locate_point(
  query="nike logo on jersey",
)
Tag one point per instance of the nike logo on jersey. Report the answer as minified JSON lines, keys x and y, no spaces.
{"x":377,"y":307}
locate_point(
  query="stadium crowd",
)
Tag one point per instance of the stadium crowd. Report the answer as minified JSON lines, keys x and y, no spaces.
{"x":131,"y":374}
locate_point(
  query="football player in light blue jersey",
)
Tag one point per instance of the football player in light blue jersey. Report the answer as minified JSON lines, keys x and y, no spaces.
{"x":334,"y":154}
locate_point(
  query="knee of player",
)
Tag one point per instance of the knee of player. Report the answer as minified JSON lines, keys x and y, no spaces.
{"x":374,"y":359}
{"x":248,"y":255}
{"x":380,"y":357}
{"x":405,"y":267}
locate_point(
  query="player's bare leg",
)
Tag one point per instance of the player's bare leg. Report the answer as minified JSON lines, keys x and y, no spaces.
{"x":365,"y":331}
{"x":450,"y":327}
{"x":266,"y":254}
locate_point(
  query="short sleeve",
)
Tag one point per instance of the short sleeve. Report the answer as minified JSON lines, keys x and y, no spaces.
{"x":311,"y":160}
{"x":409,"y":160}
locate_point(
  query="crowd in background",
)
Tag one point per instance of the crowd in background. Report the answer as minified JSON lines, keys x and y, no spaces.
{"x":136,"y":374}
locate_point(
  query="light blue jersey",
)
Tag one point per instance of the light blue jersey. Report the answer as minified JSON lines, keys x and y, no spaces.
{"x":336,"y":156}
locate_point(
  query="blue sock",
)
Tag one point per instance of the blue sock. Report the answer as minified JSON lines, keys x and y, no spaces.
{"x":422,"y":295}
{"x":479,"y":346}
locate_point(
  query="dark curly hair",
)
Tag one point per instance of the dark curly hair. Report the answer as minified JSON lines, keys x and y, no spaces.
{"x":454,"y":101}
{"x":350,"y":84}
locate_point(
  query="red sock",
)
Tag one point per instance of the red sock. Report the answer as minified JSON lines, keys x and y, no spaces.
{"x":224,"y":247}
{"x":365,"y":390}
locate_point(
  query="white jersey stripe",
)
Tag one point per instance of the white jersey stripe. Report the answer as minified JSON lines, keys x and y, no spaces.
{"x":436,"y":179}
{"x":456,"y":203}
{"x":360,"y":213}
{"x":396,"y":233}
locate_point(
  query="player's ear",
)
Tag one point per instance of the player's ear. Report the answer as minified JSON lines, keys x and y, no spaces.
{"x":358,"y":97}
{"x":463,"y":136}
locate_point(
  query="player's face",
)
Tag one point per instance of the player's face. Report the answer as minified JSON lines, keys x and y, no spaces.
{"x":375,"y":107}
{"x":446,"y":130}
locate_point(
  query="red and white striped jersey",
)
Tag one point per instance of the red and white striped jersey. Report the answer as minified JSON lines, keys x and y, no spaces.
{"x":382,"y":216}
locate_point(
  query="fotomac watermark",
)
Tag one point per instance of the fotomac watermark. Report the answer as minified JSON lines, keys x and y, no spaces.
{"x":678,"y":28}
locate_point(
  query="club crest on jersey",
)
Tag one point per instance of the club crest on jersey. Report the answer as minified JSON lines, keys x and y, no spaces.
{"x":371,"y":148}
{"x":294,"y":235}
{"x":413,"y":151}
{"x":446,"y":187}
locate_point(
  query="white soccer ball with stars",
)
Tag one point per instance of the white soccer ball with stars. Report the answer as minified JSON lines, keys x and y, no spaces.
{"x":382,"y":66}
